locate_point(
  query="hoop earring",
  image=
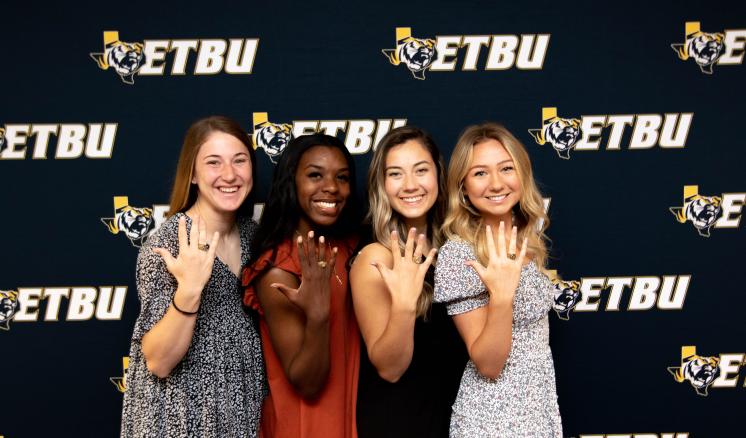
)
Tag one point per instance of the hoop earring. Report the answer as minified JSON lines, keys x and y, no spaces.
{"x":465,"y":202}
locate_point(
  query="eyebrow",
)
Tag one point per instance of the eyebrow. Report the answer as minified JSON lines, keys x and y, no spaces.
{"x":218,"y":156}
{"x":414,"y":165}
{"x":497,"y":164}
{"x":316,"y":166}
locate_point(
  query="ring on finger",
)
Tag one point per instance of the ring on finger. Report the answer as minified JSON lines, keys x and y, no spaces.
{"x":321,"y":263}
{"x":512,"y":256}
{"x":203,"y":246}
{"x":417,"y":259}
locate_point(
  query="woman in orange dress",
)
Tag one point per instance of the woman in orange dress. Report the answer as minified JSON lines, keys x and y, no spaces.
{"x":298,"y":284}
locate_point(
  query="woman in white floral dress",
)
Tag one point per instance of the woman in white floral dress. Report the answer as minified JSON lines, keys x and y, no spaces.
{"x":490,"y":275}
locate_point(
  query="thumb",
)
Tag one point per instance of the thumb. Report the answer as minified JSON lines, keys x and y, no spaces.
{"x":383,"y":270}
{"x":166,"y":256}
{"x":287,"y":291}
{"x":477,"y":267}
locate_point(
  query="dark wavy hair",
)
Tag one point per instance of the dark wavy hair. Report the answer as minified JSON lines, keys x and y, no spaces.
{"x":282,"y":213}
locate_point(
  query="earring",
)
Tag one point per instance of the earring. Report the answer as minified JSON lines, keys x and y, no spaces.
{"x":465,"y":202}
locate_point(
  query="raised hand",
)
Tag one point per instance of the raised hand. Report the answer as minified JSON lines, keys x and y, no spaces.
{"x":313,"y":294}
{"x":404,"y":280}
{"x":193,"y":266}
{"x":503,"y":270}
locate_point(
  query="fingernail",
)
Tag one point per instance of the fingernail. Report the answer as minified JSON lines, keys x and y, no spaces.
{"x":321,"y":239}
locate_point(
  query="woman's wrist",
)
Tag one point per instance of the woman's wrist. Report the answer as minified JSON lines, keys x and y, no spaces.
{"x":404,"y":307}
{"x":186,"y":303}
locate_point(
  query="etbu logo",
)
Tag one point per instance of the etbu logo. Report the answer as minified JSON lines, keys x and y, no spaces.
{"x":360,"y":135}
{"x":419,"y":55}
{"x":706,"y":372}
{"x":585,"y":133}
{"x":120,"y":382}
{"x":136,"y":223}
{"x":612,"y":294}
{"x":710,"y":48}
{"x":148,"y":58}
{"x":58,"y":141}
{"x":706,"y":212}
{"x":104,"y":303}
{"x":638,"y":435}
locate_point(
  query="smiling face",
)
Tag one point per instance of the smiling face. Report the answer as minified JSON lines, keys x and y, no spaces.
{"x":222,"y":172}
{"x":410,"y":180}
{"x":322,"y":184}
{"x":492,"y":184}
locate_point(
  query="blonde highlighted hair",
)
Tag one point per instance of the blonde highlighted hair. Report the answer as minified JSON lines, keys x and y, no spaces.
{"x":383,"y":219}
{"x":464,"y":222}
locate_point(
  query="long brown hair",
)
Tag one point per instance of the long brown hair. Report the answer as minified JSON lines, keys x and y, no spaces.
{"x":184,"y":193}
{"x":384,"y":219}
{"x":464,"y":222}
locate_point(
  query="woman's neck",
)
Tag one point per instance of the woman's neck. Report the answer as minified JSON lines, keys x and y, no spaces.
{"x":214,"y":221}
{"x":420,"y":224}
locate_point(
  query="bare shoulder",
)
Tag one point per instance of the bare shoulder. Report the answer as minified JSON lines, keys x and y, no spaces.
{"x":374,"y":252}
{"x":363,"y":275}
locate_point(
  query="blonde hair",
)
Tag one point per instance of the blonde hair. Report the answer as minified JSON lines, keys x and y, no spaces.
{"x":384,"y":219}
{"x":464,"y":222}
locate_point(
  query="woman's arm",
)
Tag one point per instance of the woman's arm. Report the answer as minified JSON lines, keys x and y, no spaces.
{"x":487,"y":331}
{"x":385,"y":302}
{"x":297,"y":314}
{"x":165,"y":345}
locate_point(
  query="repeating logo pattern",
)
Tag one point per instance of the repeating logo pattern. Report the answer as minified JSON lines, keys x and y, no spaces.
{"x":622,"y":293}
{"x":444,"y":52}
{"x":59,"y":141}
{"x":360,"y":135}
{"x":701,"y":211}
{"x":125,"y":58}
{"x":587,"y":133}
{"x":707,"y":212}
{"x":710,"y":48}
{"x":417,"y":54}
{"x":151,"y":57}
{"x":8,"y":307}
{"x":56,"y":303}
{"x":637,"y":435}
{"x":134,"y":222}
{"x":699,"y":371}
{"x":559,"y":132}
{"x":120,"y":382}
{"x":566,"y":295}
{"x":272,"y":137}
{"x":2,"y":139}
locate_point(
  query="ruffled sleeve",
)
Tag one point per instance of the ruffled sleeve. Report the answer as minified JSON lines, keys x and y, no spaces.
{"x":155,"y":285}
{"x":456,"y":284}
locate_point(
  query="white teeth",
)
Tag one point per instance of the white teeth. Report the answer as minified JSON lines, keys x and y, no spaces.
{"x":228,"y":189}
{"x":496,"y":198}
{"x":323,"y":204}
{"x":413,"y":198}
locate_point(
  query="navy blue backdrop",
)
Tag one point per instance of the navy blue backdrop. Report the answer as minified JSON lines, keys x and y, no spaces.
{"x":645,"y":195}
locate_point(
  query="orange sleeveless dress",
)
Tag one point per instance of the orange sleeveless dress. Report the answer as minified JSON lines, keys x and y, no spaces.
{"x":286,"y":414}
